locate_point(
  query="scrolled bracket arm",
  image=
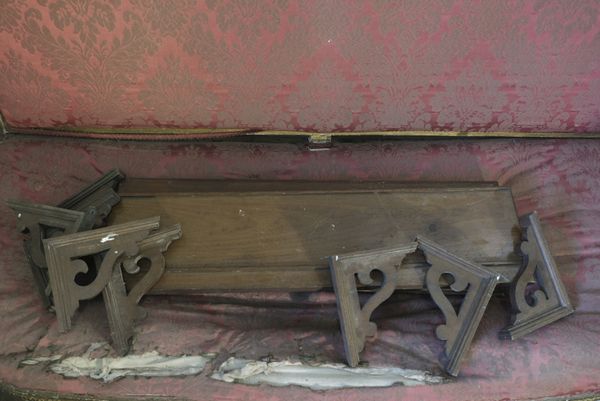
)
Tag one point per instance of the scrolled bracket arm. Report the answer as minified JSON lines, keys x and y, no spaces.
{"x":479,"y":284}
{"x":549,"y":301}
{"x":96,"y":200}
{"x":121,"y":306}
{"x":39,"y":222}
{"x":346,"y":270}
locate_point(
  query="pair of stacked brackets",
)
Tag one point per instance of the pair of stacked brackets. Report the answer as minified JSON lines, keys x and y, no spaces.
{"x":61,"y":238}
{"x":65,"y":247}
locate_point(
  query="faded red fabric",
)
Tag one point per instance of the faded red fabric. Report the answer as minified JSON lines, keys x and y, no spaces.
{"x":304,"y":65}
{"x":560,"y":179}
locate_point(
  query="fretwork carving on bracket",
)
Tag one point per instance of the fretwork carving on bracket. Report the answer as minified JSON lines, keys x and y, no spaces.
{"x":462,"y":275}
{"x":549,"y":300}
{"x":40,"y":222}
{"x":64,"y":259}
{"x":345,"y":271}
{"x":83,"y":211}
{"x":121,"y":306}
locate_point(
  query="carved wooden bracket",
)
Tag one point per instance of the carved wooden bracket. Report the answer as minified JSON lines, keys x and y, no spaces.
{"x":345,"y":271}
{"x":459,"y":329}
{"x":97,"y":199}
{"x":83,"y":211}
{"x":461,"y":275}
{"x":121,"y":305}
{"x":548,"y":301}
{"x":40,"y":222}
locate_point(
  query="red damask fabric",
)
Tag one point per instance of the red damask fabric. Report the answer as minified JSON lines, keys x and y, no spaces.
{"x":560,"y":179}
{"x":334,"y":65}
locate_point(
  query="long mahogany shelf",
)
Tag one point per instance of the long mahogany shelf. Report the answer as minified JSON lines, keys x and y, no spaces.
{"x":259,"y":235}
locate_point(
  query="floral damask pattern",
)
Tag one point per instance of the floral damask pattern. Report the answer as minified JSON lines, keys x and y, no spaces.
{"x":410,"y":18}
{"x":542,"y":105}
{"x":250,"y":77}
{"x":311,"y":65}
{"x":84,"y":16}
{"x":470,"y":101}
{"x":167,"y":94}
{"x":330,"y":113}
{"x":394,"y":86}
{"x":580,"y":165}
{"x":25,"y":85}
{"x":164,"y":16}
{"x":565,"y":24}
{"x":10,"y":15}
{"x":95,"y":71}
{"x":588,"y":115}
{"x":247,"y":18}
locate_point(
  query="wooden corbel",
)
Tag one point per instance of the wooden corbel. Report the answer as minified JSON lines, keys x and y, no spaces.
{"x":461,"y":275}
{"x":538,"y":296}
{"x":121,"y":305}
{"x":459,"y":329}
{"x":346,"y":270}
{"x":40,"y":222}
{"x":83,"y":211}
{"x":97,"y":199}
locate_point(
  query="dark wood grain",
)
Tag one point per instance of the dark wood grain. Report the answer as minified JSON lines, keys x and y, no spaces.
{"x":246,"y":235}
